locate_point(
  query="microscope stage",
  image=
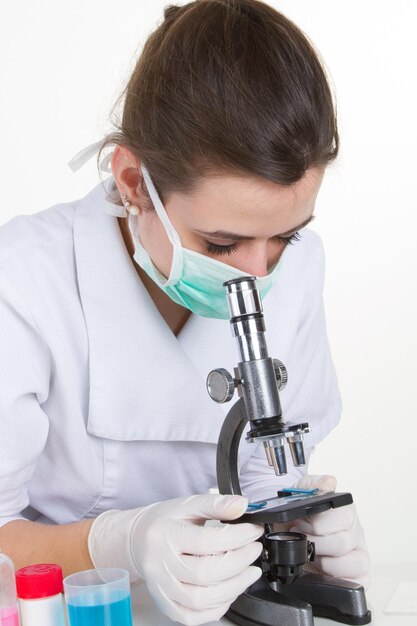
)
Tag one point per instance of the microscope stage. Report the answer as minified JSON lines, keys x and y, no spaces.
{"x":291,"y":507}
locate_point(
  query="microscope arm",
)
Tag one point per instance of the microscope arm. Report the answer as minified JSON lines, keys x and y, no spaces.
{"x":227,"y":449}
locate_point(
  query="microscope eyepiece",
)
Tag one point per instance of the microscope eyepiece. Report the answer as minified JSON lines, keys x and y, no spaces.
{"x":243,"y":297}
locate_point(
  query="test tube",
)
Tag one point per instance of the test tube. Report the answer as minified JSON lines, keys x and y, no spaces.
{"x":9,"y":614}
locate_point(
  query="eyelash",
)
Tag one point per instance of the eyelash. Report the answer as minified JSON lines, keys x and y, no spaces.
{"x":213,"y":248}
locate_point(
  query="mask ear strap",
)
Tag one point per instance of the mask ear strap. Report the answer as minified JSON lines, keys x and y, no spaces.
{"x":159,"y":208}
{"x":84,"y":155}
{"x":177,"y":256}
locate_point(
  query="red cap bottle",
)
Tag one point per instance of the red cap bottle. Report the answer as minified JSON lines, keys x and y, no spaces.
{"x":39,"y":589}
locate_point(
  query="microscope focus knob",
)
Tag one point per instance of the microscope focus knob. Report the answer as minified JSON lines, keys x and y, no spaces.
{"x":280,"y":373}
{"x":220,"y":385}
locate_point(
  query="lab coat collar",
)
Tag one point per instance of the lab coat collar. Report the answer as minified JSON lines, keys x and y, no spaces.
{"x":143,"y":385}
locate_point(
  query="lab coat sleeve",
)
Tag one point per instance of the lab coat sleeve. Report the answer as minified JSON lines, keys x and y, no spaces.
{"x":25,"y":368}
{"x":312,"y":393}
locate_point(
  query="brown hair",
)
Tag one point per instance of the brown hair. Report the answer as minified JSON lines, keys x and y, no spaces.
{"x":227,"y":86}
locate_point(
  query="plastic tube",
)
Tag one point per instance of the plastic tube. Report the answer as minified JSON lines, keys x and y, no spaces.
{"x":9,"y":614}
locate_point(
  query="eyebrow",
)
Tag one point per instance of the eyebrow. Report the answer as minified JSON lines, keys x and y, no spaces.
{"x":223,"y":234}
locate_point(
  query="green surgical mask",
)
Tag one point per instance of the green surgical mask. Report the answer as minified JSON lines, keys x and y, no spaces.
{"x":195,"y":280}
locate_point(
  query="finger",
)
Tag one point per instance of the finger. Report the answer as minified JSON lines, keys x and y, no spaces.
{"x":201,"y":540}
{"x":212,"y":506}
{"x":327,"y":523}
{"x":365,"y":581}
{"x":351,"y":566}
{"x":213,"y":569}
{"x":360,"y":580}
{"x":325,"y":482}
{"x":339,"y":543}
{"x":203,"y":598}
{"x":311,"y":568}
{"x":190,"y":617}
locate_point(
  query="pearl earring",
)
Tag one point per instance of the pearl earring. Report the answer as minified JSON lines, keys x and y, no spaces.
{"x":133,"y":210}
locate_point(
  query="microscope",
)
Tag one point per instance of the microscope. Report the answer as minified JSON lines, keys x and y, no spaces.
{"x":285,"y":593}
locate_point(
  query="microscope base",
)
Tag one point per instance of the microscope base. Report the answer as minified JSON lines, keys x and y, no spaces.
{"x":268,"y":604}
{"x":262,"y":606}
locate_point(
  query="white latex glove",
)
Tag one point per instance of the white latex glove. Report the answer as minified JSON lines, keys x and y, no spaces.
{"x":193,"y":572}
{"x":338,"y":536}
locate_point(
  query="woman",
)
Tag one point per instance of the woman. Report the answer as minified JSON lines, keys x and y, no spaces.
{"x":112,"y":315}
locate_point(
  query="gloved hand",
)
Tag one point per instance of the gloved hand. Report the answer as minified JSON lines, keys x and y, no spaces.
{"x":192,"y":572}
{"x":338,"y":536}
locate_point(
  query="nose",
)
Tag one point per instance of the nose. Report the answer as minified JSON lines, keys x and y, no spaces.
{"x":256,"y":262}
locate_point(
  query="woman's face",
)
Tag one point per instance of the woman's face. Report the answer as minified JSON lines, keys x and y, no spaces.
{"x":243,"y":222}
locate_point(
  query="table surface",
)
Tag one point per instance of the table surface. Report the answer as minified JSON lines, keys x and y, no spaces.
{"x":385,"y":578}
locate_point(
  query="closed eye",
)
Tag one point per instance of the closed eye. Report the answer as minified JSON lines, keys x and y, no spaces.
{"x":213,"y":248}
{"x":291,"y":239}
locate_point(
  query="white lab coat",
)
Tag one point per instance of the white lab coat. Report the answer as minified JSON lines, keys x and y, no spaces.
{"x":101,"y":406}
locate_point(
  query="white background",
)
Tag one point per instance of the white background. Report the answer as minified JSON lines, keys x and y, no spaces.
{"x":62,"y":66}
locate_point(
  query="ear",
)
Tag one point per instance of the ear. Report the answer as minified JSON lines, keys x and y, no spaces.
{"x":127,"y":174}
